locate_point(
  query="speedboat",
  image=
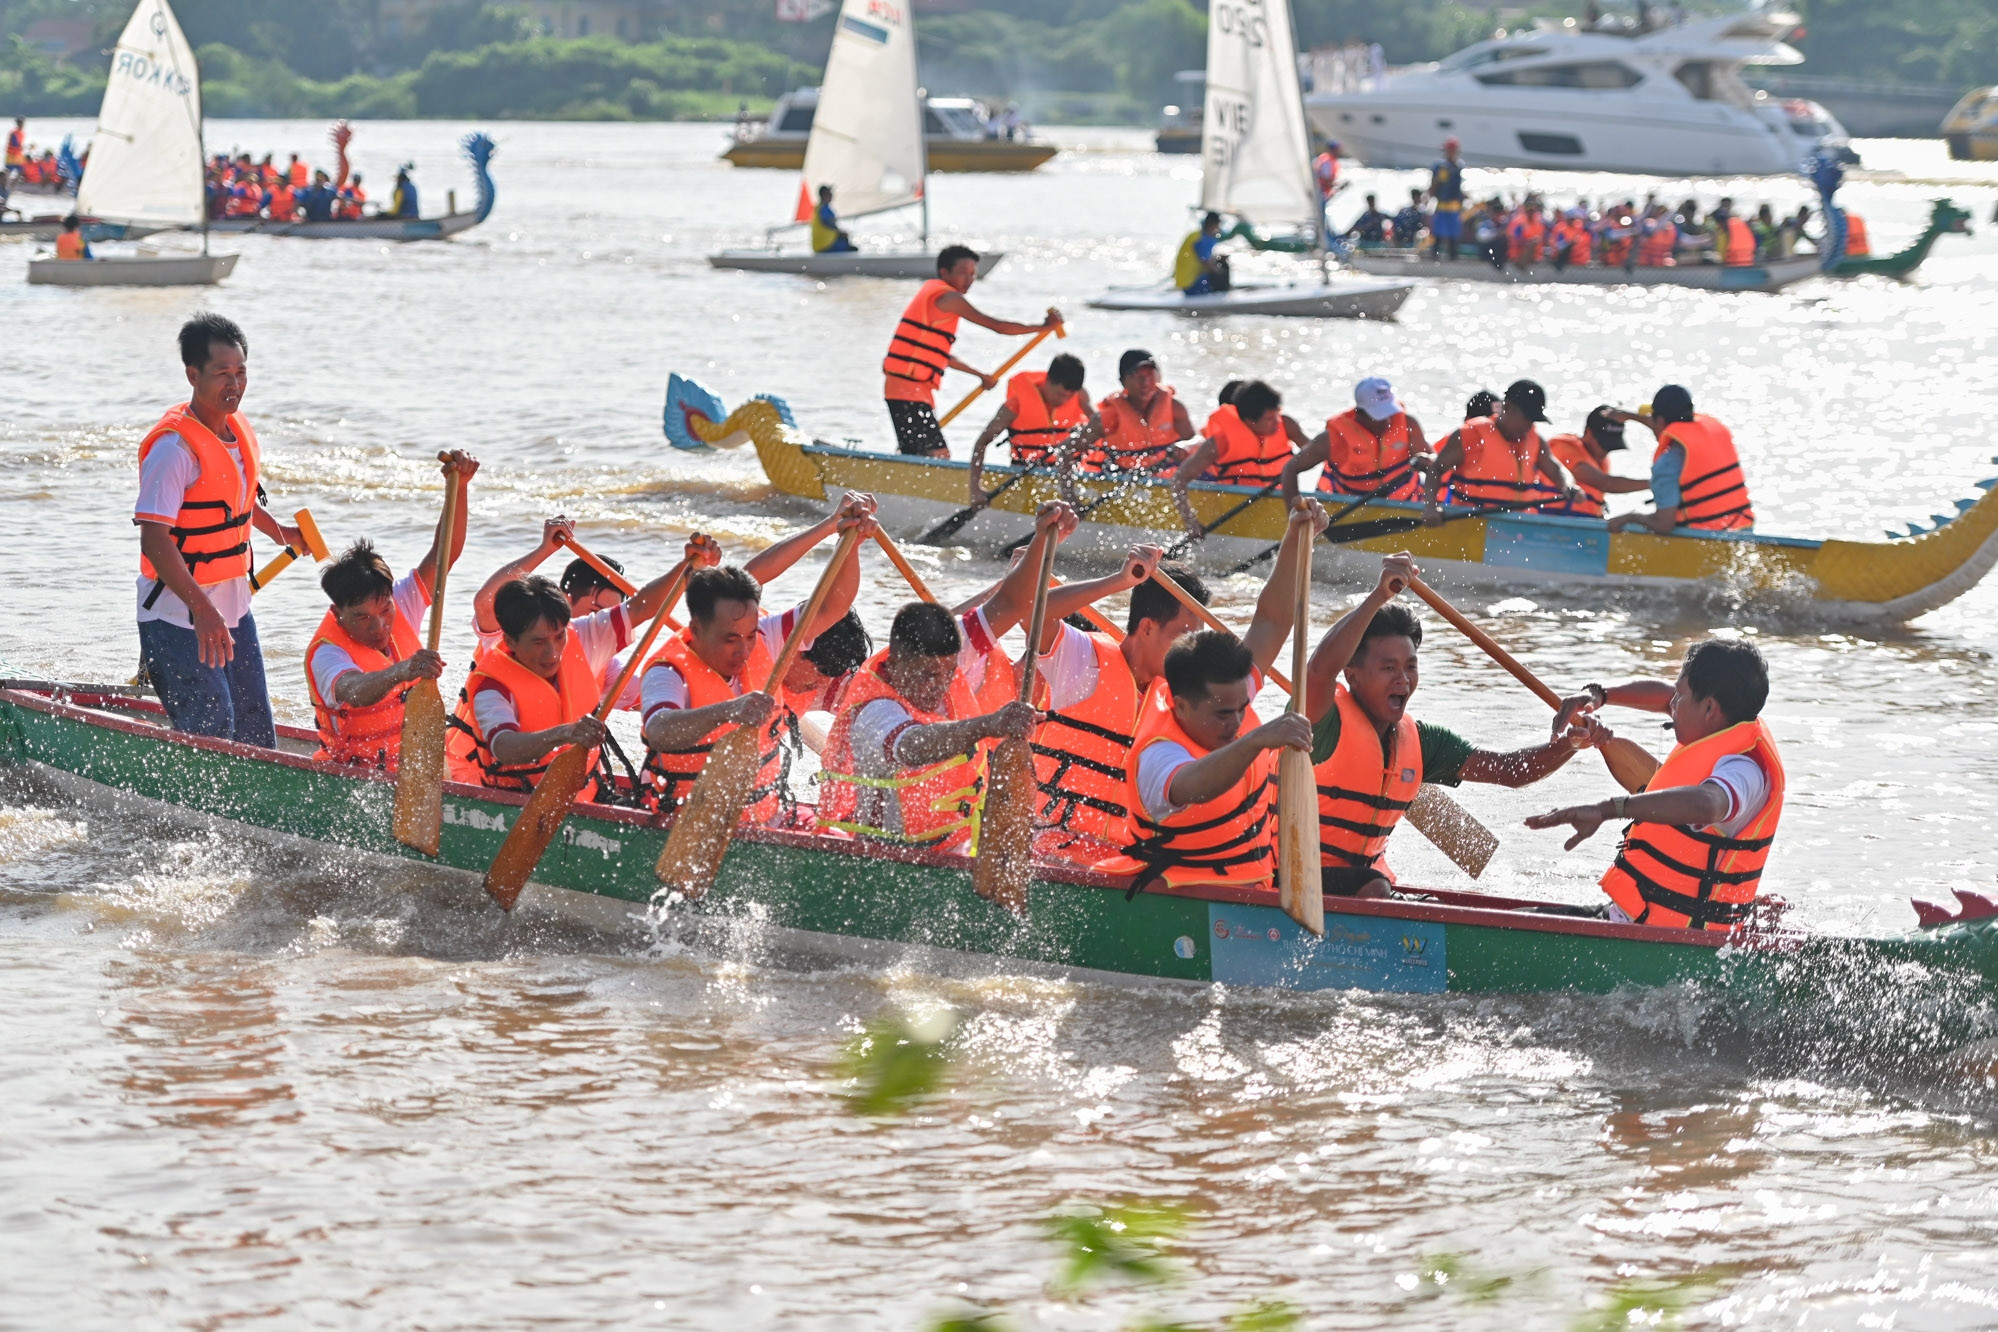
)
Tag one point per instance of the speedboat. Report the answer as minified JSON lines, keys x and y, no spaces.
{"x":1612,"y":97}
{"x":953,"y":133}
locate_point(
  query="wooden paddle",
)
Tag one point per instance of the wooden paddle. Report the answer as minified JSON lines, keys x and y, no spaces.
{"x":706,"y":823}
{"x":902,"y":565}
{"x":536,"y":825}
{"x":419,"y":770}
{"x":1058,"y":330}
{"x":1458,"y":835}
{"x":315,"y":545}
{"x":609,"y":575}
{"x":1343,"y":510}
{"x":954,"y":524}
{"x":1005,"y":859}
{"x":1174,"y":551}
{"x":1300,"y":890}
{"x":1626,"y":759}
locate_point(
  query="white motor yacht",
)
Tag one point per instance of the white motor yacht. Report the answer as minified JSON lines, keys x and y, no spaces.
{"x":1668,"y":102}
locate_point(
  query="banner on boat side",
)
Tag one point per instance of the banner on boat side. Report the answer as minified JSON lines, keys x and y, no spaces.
{"x":1263,"y":946}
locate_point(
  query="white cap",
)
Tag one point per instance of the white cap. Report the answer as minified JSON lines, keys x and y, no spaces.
{"x":1375,"y":397}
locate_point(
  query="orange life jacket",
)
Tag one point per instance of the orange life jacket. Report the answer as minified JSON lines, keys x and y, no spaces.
{"x":1686,"y":878}
{"x":16,"y":144}
{"x":283,"y":206}
{"x":212,"y":529}
{"x":1363,"y":790}
{"x":1244,"y":457}
{"x":1035,"y":431}
{"x":1855,"y":236}
{"x":70,"y":245}
{"x":1654,"y":247}
{"x":1227,"y":840}
{"x":1133,"y":441}
{"x":1497,"y":473}
{"x":1357,"y":461}
{"x":673,"y":771}
{"x":1527,"y":233}
{"x":1080,"y":753}
{"x":1581,"y":242}
{"x":1713,"y":492}
{"x":373,"y":734}
{"x":939,"y":804}
{"x":301,"y":176}
{"x":1740,"y":243}
{"x":919,"y":353}
{"x":1569,"y":450}
{"x":1617,"y":243}
{"x":538,"y":704}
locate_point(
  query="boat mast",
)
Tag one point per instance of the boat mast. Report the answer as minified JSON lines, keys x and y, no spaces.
{"x":923,"y":137}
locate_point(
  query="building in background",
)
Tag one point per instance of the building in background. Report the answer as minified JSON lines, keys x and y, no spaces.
{"x":61,"y":40}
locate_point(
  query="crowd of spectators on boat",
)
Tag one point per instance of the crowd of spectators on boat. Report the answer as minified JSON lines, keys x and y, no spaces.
{"x":241,"y":187}
{"x":1623,"y":234}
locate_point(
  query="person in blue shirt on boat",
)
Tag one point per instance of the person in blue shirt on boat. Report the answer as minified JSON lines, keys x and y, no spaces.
{"x":827,"y":238}
{"x":1714,"y":497}
{"x":1446,"y":187}
{"x":403,"y":202}
{"x":1409,"y":221}
{"x":1197,"y":270}
{"x":1371,"y":757}
{"x":315,"y":201}
{"x":1370,"y":229}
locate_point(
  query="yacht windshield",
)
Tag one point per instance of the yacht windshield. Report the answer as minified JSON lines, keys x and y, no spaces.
{"x":1587,"y":74}
{"x":1474,"y":57}
{"x":1714,"y":81}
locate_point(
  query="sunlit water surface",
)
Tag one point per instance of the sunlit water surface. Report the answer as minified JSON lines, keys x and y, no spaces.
{"x":253,"y":1084}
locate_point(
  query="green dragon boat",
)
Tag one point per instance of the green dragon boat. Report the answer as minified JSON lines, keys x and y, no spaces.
{"x":102,"y":746}
{"x":1945,"y":218}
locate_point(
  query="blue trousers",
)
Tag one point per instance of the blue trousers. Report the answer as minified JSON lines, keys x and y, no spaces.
{"x":230,"y":702}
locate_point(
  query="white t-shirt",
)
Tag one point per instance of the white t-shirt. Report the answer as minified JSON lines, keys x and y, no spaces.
{"x":662,"y":686}
{"x":165,"y":477}
{"x":1161,"y":759}
{"x":879,"y":727}
{"x":600,"y":635}
{"x":1069,"y":668}
{"x":1747,"y":787}
{"x":329,"y":662}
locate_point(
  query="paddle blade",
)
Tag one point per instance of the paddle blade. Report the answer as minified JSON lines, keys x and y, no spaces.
{"x":1006,"y":830}
{"x":419,"y":770}
{"x":815,"y":728}
{"x":1629,"y":763}
{"x":1301,"y":889}
{"x":540,"y":819}
{"x":706,"y":824}
{"x":1468,"y":843}
{"x":948,"y":528}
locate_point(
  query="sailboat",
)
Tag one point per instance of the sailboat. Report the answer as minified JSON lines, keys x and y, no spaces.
{"x":1257,"y":168}
{"x":867,"y":144}
{"x":146,"y":161}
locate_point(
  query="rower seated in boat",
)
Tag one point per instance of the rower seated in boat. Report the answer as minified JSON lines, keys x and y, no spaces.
{"x":1143,"y":422}
{"x":1371,"y":757}
{"x":707,"y":680}
{"x":1586,"y":459}
{"x":1246,"y":442}
{"x":827,"y":238}
{"x":535,"y":692}
{"x":1043,"y":410}
{"x":814,"y":682}
{"x":1696,"y":477}
{"x":1091,"y":685}
{"x":1700,"y":832}
{"x":403,"y":203}
{"x":1499,"y":462}
{"x":1374,"y":446}
{"x":368,"y":649}
{"x":1200,"y":781}
{"x":70,"y":243}
{"x":905,"y":759}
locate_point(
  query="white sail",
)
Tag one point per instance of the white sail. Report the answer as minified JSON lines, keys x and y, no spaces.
{"x":867,"y":134}
{"x":1257,"y":153}
{"x":145,"y":161}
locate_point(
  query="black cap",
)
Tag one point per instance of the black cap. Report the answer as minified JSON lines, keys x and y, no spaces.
{"x":1529,"y":397}
{"x":1481,"y":404}
{"x":1132,"y":361}
{"x":1607,"y":430}
{"x":1672,"y":404}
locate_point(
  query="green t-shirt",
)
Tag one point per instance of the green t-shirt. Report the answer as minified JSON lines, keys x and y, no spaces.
{"x":1443,"y":750}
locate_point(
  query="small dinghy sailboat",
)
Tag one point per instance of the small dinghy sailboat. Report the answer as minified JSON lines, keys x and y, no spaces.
{"x":867,"y":145}
{"x":146,"y":162}
{"x":1257,"y":167}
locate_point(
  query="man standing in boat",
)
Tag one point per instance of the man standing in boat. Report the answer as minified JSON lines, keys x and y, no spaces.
{"x":1700,"y":832}
{"x":199,"y":495}
{"x":1200,"y":780}
{"x":1446,"y":190}
{"x":367,"y":651}
{"x":1696,"y":476}
{"x":1372,"y":758}
{"x":920,"y":350}
{"x":1045,"y":412}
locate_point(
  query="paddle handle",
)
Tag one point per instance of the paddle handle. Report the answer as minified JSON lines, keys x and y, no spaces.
{"x":1207,"y":617}
{"x":1030,"y":660}
{"x":1017,"y":357}
{"x":802,"y":629}
{"x":902,"y":566}
{"x":637,"y":657}
{"x":446,"y":529}
{"x":1300,"y":629}
{"x":315,"y":546}
{"x":1485,"y":641}
{"x":610,"y":575}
